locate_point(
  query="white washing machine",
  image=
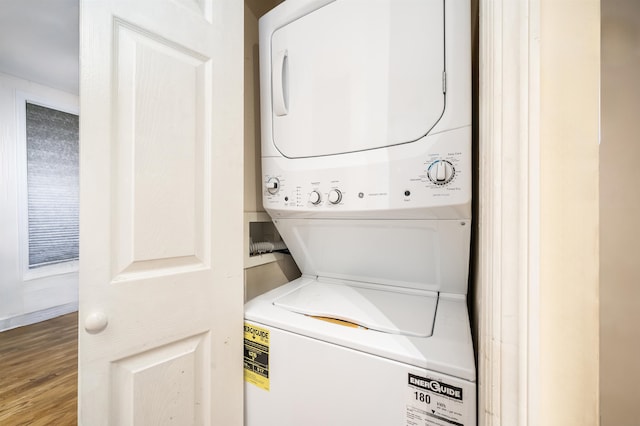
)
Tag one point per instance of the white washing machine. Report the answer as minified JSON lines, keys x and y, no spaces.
{"x":366,"y":145}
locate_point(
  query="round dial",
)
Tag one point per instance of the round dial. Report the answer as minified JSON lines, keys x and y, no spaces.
{"x":441,"y":172}
{"x":335,"y":196}
{"x":273,"y":185}
{"x":314,"y":197}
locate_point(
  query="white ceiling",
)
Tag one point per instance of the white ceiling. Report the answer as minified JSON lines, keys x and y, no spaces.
{"x":39,"y":41}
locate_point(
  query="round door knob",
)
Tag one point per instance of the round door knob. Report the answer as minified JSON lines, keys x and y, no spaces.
{"x":95,"y":322}
{"x":441,"y":172}
{"x":335,"y":196}
{"x":314,"y":197}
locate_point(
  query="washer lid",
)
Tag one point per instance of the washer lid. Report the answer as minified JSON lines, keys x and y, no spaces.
{"x":387,"y":309}
{"x":357,"y":75}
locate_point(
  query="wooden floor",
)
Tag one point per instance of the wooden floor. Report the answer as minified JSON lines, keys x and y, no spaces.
{"x":39,"y":373}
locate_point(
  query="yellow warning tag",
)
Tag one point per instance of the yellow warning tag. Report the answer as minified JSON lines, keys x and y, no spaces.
{"x":256,"y":355}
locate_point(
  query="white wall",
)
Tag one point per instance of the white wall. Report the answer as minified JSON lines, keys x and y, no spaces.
{"x":569,"y":223}
{"x":23,"y":301}
{"x":619,"y":211}
{"x":258,"y":279}
{"x":252,"y":169}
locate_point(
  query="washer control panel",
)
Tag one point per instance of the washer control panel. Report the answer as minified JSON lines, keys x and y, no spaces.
{"x":427,"y":175}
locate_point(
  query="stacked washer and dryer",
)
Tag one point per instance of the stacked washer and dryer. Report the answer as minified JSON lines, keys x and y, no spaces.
{"x":366,"y":162}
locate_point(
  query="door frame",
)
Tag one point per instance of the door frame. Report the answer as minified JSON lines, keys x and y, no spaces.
{"x":536,"y":305}
{"x":506,"y":302}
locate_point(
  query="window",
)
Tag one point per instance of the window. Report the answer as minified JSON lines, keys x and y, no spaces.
{"x":52,"y":174}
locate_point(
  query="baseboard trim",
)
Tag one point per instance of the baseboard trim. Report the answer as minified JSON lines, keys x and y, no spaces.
{"x":37,"y":316}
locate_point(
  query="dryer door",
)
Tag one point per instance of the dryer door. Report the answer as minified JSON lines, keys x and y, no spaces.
{"x":357,"y":75}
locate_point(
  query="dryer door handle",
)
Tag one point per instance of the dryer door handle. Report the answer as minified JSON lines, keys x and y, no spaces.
{"x":280,"y":83}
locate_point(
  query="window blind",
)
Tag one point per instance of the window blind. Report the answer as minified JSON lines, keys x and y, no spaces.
{"x":52,"y":184}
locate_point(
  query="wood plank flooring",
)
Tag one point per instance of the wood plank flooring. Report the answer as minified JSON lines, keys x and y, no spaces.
{"x":39,"y":373}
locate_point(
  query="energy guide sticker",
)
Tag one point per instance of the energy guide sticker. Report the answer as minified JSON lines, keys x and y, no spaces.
{"x":433,"y":402}
{"x":256,"y":356}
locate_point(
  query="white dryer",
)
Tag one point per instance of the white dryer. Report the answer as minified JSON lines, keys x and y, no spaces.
{"x":366,"y":146}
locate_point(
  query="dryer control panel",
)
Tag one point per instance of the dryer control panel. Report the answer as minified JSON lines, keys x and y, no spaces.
{"x":425,"y":179}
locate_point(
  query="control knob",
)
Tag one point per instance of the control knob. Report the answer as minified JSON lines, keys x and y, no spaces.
{"x":441,"y":172}
{"x":273,"y":185}
{"x":335,"y":196}
{"x":314,"y":197}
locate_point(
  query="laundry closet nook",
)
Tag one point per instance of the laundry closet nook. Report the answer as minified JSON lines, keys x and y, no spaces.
{"x":366,"y":171}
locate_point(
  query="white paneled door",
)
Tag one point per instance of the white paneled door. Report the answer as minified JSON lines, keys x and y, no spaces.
{"x":161,"y":212}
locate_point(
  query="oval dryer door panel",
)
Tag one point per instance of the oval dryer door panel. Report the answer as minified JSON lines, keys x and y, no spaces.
{"x":357,"y":75}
